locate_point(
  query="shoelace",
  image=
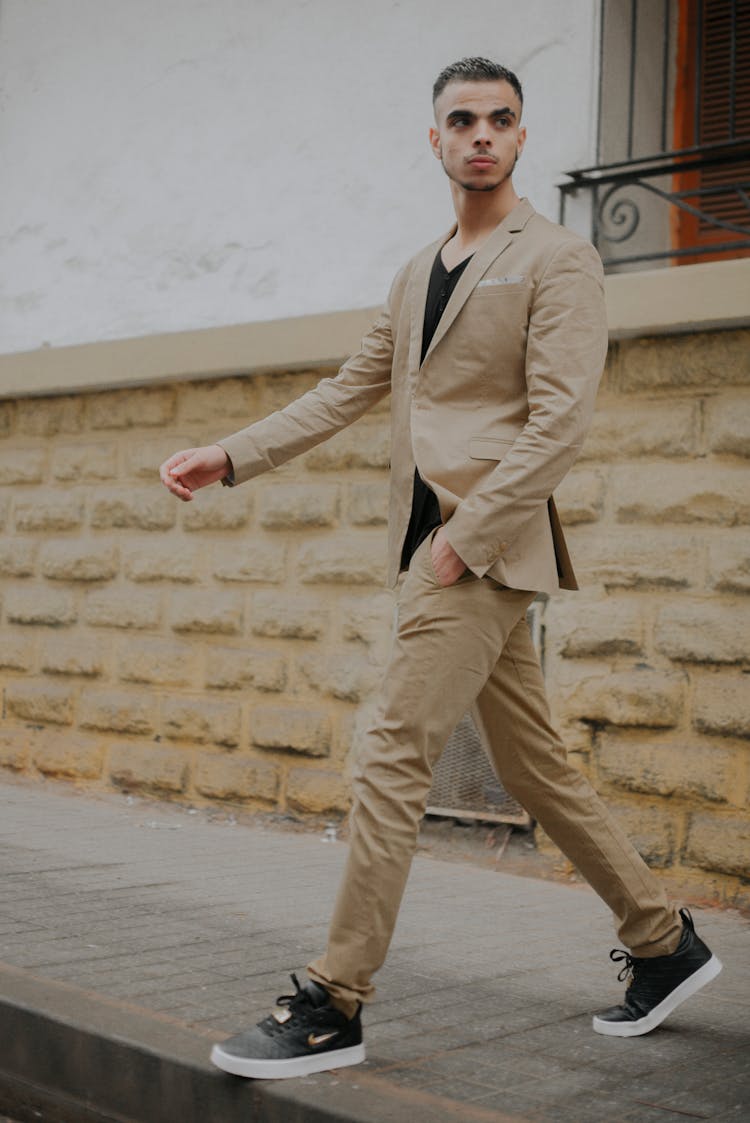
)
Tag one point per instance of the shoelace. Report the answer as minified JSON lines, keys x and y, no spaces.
{"x":618,"y":955}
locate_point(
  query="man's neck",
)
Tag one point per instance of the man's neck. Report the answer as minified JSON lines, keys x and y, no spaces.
{"x":477,"y":215}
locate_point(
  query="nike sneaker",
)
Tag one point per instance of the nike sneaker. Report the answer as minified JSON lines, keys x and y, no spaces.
{"x":304,"y":1034}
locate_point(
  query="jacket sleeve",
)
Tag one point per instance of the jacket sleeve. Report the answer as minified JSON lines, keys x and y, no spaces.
{"x":565,"y":354}
{"x":320,"y":413}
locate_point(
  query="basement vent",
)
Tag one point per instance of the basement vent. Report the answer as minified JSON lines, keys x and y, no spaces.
{"x":464,"y":784}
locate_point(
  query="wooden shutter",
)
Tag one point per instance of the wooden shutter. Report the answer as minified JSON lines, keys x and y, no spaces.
{"x":712,"y":107}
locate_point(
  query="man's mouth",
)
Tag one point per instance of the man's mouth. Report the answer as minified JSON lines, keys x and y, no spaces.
{"x":482,"y":161}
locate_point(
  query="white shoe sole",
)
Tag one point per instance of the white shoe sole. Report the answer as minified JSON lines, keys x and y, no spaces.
{"x":291,"y":1066}
{"x":655,"y":1017}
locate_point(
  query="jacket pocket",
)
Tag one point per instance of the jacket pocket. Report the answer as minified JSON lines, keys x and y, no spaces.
{"x":488,"y":448}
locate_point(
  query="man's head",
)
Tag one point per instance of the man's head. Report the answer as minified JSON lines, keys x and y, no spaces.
{"x":478,"y":135}
{"x":476,"y":69}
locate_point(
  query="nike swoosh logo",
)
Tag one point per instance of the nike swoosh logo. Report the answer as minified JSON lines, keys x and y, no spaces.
{"x":314,"y":1040}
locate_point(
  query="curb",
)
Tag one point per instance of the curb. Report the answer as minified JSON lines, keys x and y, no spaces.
{"x":69,"y":1055}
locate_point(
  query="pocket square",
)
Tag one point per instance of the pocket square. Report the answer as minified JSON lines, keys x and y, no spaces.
{"x":513,"y":279}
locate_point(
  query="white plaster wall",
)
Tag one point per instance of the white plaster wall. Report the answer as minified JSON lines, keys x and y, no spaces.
{"x":177,"y":164}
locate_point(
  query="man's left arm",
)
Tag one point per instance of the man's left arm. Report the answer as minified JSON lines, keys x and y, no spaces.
{"x":565,"y":354}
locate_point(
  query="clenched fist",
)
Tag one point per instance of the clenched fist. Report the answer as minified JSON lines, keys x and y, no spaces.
{"x":193,"y":468}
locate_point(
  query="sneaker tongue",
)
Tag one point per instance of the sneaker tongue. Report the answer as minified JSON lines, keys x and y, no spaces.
{"x":317,"y":994}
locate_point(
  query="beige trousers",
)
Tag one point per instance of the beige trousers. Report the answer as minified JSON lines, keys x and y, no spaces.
{"x":469,"y":643}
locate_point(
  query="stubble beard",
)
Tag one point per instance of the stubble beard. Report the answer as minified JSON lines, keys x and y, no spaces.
{"x":484,"y":186}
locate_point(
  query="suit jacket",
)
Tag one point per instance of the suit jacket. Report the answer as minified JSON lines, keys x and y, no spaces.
{"x":495,"y":415}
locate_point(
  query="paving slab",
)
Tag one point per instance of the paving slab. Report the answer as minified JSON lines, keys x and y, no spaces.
{"x":134,"y":933}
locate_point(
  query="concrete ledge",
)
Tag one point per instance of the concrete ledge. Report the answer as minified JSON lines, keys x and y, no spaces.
{"x":69,"y":1055}
{"x":297,"y":342}
{"x":701,"y":297}
{"x":654,"y":302}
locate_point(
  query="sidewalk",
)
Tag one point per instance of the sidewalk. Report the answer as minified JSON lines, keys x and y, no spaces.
{"x":133,"y":933}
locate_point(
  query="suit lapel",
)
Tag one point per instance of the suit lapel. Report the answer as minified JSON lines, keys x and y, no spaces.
{"x":498,"y":241}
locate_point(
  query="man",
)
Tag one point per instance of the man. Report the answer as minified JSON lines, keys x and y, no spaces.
{"x":492,"y":343}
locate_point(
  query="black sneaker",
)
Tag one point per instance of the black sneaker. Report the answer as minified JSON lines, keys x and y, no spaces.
{"x":657,"y":986}
{"x":304,"y":1034}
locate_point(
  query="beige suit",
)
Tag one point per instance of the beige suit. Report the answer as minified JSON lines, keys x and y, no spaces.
{"x":493,"y":419}
{"x":498,"y":410}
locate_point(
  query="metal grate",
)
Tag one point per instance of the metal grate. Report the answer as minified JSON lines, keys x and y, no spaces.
{"x":464,"y":784}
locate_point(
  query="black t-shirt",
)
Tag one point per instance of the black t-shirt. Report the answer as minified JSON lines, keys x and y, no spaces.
{"x":425,"y":512}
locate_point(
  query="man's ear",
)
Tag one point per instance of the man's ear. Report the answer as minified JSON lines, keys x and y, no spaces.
{"x":435,"y":143}
{"x":521,"y":139}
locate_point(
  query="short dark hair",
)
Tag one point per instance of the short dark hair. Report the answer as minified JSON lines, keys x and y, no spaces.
{"x":475,"y":70}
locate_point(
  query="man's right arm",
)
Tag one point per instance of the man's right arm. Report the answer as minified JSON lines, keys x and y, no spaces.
{"x":332,"y":405}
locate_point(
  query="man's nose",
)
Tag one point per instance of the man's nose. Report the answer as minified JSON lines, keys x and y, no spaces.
{"x":482,"y":138}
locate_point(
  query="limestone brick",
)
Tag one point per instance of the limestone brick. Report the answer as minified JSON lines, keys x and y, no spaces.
{"x":299,"y":729}
{"x":201,"y":720}
{"x":316,"y":791}
{"x":720,"y":705}
{"x":49,"y":512}
{"x":719,"y":842}
{"x":40,"y":606}
{"x":216,"y":400}
{"x":348,"y":675}
{"x":237,"y":668}
{"x":728,"y":425}
{"x":338,"y":560}
{"x":254,"y":562}
{"x":40,"y":701}
{"x":14,"y":749}
{"x":594,"y":629}
{"x":279,"y":388}
{"x":62,"y":655}
{"x":580,"y":497}
{"x":650,"y":829}
{"x":83,"y":462}
{"x":292,"y":617}
{"x":16,"y":652}
{"x":17,"y":557}
{"x":71,"y":757}
{"x":217,"y":612}
{"x":298,"y":506}
{"x":149,"y":561}
{"x":361,"y":445}
{"x":667,"y":768}
{"x":369,"y":617}
{"x":22,"y":465}
{"x":638,"y":697}
{"x":157,"y":662}
{"x":704,"y":632}
{"x":368,"y":504}
{"x":681,"y":493}
{"x":729,"y":563}
{"x":46,"y":417}
{"x":148,"y":767}
{"x":7,"y":418}
{"x":235,"y":777}
{"x":124,"y":409}
{"x":4,"y":508}
{"x":695,"y":359}
{"x":79,"y":560}
{"x":645,"y":428}
{"x":131,"y":508}
{"x":216,"y":509}
{"x":658,"y":558}
{"x":118,"y":710}
{"x":144,"y":458}
{"x":123,"y":608}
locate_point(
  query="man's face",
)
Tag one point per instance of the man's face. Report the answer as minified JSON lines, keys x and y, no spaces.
{"x":478,"y":136}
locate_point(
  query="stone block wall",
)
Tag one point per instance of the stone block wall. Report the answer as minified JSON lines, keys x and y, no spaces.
{"x":228,"y":649}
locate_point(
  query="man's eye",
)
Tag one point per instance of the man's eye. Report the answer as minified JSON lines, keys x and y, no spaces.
{"x":504,"y":121}
{"x":460,"y":121}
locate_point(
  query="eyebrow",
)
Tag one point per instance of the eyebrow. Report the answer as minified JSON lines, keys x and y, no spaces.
{"x":506,"y":111}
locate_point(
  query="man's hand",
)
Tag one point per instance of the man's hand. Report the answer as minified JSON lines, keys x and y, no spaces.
{"x":192,"y":468}
{"x":445,"y":561}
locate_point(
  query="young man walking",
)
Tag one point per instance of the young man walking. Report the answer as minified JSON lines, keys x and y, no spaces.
{"x":491,"y":344}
